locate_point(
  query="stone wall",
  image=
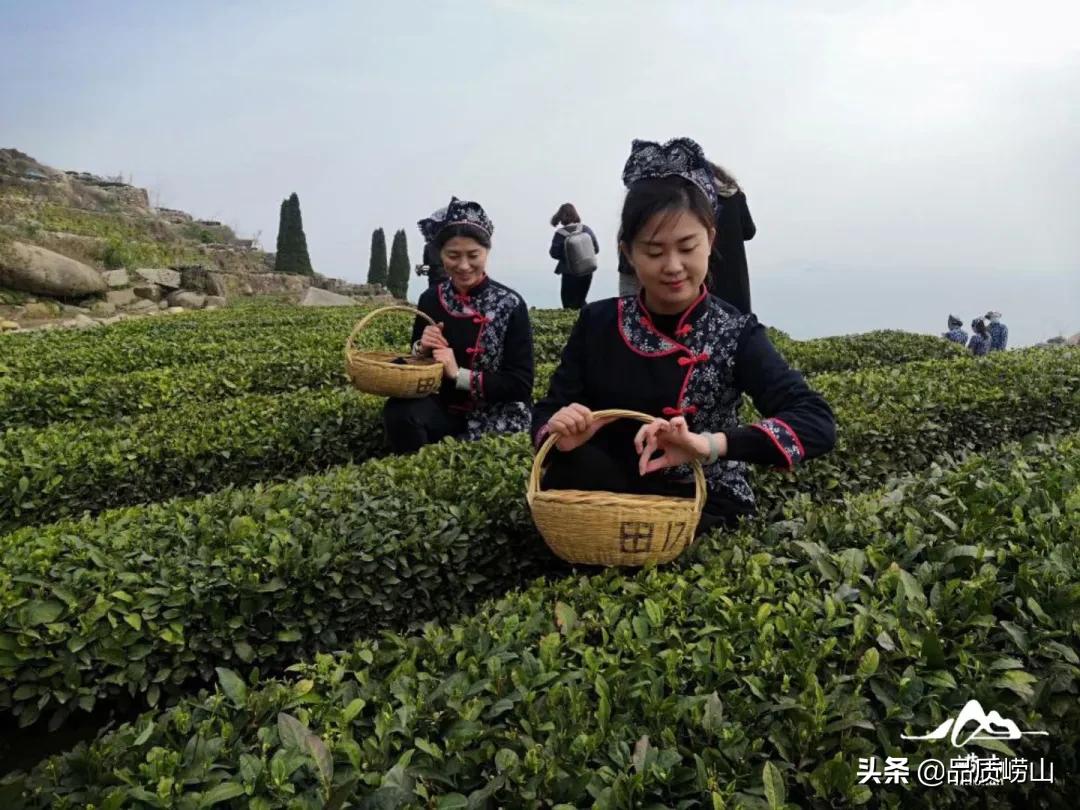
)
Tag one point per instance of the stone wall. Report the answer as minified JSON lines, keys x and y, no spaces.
{"x":336,"y":285}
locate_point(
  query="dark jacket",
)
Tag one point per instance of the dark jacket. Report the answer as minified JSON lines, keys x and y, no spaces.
{"x":729,"y":277}
{"x":436,"y":273}
{"x":999,"y":336}
{"x":618,"y":356}
{"x":489,"y":331}
{"x":956,"y":335}
{"x":558,"y":247}
{"x":979,"y":344}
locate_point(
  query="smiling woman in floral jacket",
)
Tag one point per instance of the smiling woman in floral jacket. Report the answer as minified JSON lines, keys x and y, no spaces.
{"x":483,"y":339}
{"x":677,"y":353}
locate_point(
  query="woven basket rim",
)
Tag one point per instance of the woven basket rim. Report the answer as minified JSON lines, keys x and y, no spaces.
{"x":367,"y":319}
{"x":624,"y":500}
{"x":618,"y":498}
{"x":376,"y":358}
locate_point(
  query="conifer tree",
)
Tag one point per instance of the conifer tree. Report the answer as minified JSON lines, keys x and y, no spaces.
{"x":292,"y":252}
{"x":377,"y":267}
{"x":398,"y":276}
{"x":280,"y":258}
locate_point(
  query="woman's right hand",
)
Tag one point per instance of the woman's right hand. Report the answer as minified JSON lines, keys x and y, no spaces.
{"x":432,"y":338}
{"x":574,"y":425}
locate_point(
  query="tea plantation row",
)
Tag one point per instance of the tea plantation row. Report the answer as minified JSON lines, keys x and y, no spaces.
{"x":755,"y":674}
{"x":68,"y":468}
{"x":69,"y":367}
{"x":143,"y":600}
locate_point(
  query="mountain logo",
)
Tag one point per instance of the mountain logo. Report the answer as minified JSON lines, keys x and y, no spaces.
{"x":990,"y":726}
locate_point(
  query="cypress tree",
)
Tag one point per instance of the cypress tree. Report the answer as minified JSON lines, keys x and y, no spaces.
{"x":377,"y":268}
{"x":298,"y":252}
{"x":281,"y":259}
{"x":292,"y":253}
{"x":398,"y":276}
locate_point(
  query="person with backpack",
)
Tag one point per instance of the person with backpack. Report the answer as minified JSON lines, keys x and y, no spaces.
{"x":574,"y":246}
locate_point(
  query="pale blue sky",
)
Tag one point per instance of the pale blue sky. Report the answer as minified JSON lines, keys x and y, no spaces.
{"x":902,"y":159}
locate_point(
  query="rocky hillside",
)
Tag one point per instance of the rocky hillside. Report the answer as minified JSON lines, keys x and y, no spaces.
{"x":108,"y":224}
{"x":77,"y":246}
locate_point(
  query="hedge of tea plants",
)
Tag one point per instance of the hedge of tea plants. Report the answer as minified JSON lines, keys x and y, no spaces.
{"x":69,"y":468}
{"x":145,"y":599}
{"x":755,"y":674}
{"x":139,"y":366}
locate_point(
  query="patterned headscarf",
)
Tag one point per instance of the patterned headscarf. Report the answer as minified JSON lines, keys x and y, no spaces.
{"x":458,"y":212}
{"x":954,"y":322}
{"x":680,"y":157}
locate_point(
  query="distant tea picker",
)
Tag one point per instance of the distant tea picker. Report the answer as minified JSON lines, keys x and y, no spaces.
{"x":980,"y":340}
{"x":986,"y":339}
{"x":956,"y":333}
{"x":999,"y":332}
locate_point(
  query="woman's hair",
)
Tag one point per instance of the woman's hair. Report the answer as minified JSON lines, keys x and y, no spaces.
{"x":721,"y":174}
{"x":979,"y":325}
{"x":672,"y":194}
{"x":566,"y":215}
{"x":463,"y":229}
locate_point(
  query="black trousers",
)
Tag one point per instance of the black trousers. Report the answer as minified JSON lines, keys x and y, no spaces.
{"x":574,"y":290}
{"x":594,"y":466}
{"x":412,"y":423}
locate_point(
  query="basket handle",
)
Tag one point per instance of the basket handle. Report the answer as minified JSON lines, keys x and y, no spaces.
{"x":363,"y":322}
{"x":618,"y":413}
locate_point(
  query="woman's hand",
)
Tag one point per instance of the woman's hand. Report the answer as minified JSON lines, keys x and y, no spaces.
{"x":674,"y":439}
{"x":449,"y":362}
{"x":574,"y":425}
{"x":432,"y":338}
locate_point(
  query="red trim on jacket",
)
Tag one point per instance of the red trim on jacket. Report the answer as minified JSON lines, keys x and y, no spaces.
{"x":794,"y":435}
{"x":478,"y":318}
{"x":780,"y":447}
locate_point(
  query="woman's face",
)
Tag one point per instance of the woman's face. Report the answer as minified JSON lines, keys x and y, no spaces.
{"x":465,"y":260}
{"x":671,"y":257}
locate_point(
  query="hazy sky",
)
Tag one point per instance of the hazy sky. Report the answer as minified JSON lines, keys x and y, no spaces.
{"x":903,"y":160}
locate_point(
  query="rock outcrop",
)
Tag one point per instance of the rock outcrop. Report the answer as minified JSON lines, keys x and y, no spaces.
{"x":36,"y":270}
{"x":315,"y":297}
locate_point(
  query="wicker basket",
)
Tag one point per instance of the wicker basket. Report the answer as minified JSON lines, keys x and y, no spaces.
{"x":613,"y":528}
{"x":375,"y":373}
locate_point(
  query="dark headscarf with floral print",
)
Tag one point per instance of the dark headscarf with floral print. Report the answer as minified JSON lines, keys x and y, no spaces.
{"x":458,"y":212}
{"x":680,"y":157}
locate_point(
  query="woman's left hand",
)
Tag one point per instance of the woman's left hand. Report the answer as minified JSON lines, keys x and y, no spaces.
{"x":674,"y":438}
{"x":449,"y":362}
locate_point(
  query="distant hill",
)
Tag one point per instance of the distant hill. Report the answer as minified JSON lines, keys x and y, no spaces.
{"x":107,"y":223}
{"x":95,"y":246}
